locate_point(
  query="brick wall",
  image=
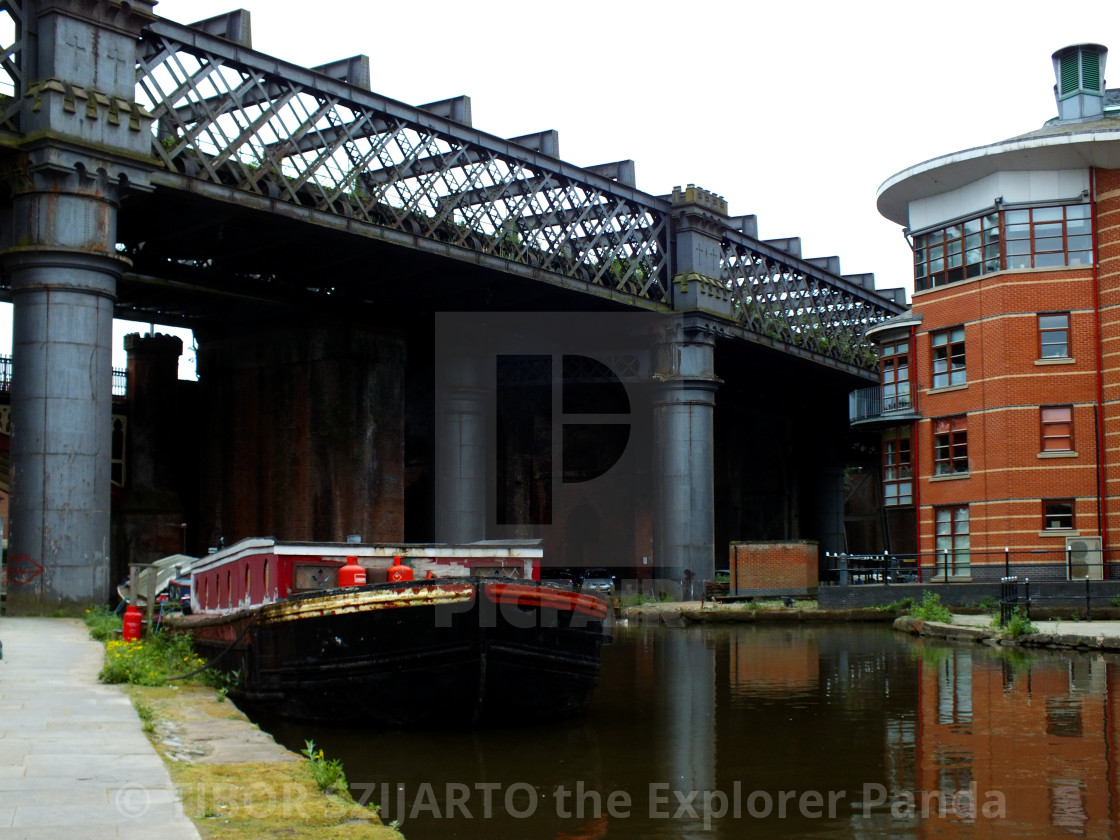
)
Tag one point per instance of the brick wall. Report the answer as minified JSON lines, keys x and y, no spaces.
{"x":1009,"y":475}
{"x":774,"y":568}
{"x":1106,"y":189}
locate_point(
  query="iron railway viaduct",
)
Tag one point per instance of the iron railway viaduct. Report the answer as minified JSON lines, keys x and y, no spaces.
{"x":408,"y":329}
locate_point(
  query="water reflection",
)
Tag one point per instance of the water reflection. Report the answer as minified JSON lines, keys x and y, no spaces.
{"x":774,"y":732}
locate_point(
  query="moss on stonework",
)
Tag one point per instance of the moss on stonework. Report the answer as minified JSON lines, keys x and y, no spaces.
{"x":259,"y":800}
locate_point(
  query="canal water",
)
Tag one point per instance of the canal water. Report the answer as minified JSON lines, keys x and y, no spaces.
{"x":836,"y":731}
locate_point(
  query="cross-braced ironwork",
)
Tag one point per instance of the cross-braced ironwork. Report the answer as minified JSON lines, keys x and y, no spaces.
{"x":248,"y":123}
{"x":11,"y":63}
{"x":233,"y":117}
{"x":791,"y":302}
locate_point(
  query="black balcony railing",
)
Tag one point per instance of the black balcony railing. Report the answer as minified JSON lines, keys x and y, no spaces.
{"x":871,"y":403}
{"x":1072,"y":562}
{"x":120,"y":378}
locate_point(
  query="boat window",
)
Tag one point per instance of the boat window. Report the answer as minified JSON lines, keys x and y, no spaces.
{"x":248,"y":581}
{"x":312,"y":576}
{"x":496,"y":571}
{"x":267,"y":564}
{"x":229,"y":588}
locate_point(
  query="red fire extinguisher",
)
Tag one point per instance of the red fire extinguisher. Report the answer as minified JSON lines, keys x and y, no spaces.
{"x":398,"y":571}
{"x":133,"y":622}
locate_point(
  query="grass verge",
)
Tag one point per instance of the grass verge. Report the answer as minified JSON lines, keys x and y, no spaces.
{"x":251,"y":800}
{"x":259,"y":800}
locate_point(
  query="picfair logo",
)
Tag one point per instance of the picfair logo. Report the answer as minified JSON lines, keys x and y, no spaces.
{"x":546,"y":415}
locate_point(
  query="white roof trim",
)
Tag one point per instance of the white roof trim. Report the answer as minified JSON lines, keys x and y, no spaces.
{"x":1098,"y":147}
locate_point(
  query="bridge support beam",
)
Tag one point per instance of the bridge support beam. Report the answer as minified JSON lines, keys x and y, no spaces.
{"x":684,"y":412}
{"x":62,"y":393}
{"x":463,"y":406}
{"x":85,"y":141}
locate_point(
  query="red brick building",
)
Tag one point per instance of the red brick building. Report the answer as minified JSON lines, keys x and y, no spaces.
{"x":999,"y":406}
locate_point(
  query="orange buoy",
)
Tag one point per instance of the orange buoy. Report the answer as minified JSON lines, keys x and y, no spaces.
{"x":398,"y":571}
{"x":133,"y":622}
{"x":351,"y":574}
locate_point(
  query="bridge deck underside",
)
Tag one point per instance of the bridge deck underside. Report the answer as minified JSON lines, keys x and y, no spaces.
{"x":280,"y":187}
{"x":197,"y":260}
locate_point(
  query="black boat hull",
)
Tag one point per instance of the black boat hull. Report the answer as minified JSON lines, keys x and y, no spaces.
{"x":453,"y":652}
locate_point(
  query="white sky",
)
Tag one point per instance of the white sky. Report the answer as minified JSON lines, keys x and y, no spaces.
{"x":794,"y":111}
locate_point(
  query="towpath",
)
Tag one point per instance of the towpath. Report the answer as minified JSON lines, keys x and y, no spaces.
{"x":74,"y":761}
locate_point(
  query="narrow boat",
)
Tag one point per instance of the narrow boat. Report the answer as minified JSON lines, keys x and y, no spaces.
{"x":426,"y":635}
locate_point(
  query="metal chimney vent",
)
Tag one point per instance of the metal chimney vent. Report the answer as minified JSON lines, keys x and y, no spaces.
{"x":1079,"y":71}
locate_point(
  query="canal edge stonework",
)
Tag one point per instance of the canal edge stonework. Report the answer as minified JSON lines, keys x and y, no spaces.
{"x":987,"y":635}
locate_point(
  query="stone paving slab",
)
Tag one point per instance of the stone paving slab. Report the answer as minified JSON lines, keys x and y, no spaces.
{"x":74,"y":761}
{"x":1108,"y":629}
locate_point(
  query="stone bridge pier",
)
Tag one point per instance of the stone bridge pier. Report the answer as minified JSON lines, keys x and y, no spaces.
{"x":313,"y":233}
{"x":684,"y":483}
{"x":85,"y":142}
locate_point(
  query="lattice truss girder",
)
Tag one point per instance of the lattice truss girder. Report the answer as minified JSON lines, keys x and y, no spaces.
{"x":222,"y":119}
{"x":790,"y":304}
{"x":11,"y":63}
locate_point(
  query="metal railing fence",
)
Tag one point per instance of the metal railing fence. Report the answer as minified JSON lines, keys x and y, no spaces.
{"x":1061,"y":563}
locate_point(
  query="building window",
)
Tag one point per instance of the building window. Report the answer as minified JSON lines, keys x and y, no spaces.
{"x":1048,"y":236}
{"x":948,"y":358}
{"x":894,"y":363}
{"x":1053,"y":336}
{"x":950,"y":446}
{"x":957,"y":252}
{"x":1057,"y":514}
{"x":952,"y":540}
{"x":1057,"y":428}
{"x":1034,"y":237}
{"x":898,"y":484}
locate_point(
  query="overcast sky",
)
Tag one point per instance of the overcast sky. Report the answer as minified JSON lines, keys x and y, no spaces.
{"x":793,"y":111}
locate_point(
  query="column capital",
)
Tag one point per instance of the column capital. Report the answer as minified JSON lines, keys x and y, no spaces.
{"x":62,"y":270}
{"x":127,"y":16}
{"x":685,"y":358}
{"x":78,"y":72}
{"x":60,"y":168}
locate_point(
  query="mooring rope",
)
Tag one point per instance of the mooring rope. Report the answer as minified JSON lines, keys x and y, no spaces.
{"x":220,"y":654}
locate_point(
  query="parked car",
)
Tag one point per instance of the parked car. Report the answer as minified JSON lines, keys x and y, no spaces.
{"x":560,"y":575}
{"x":598,"y":582}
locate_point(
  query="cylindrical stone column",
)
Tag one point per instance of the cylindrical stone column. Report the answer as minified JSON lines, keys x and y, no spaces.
{"x":62,"y":380}
{"x":684,"y":411}
{"x":153,"y":380}
{"x":463,"y":404}
{"x":68,"y":167}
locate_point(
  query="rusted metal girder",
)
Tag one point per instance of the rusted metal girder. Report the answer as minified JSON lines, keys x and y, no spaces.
{"x":231,"y":116}
{"x":799,"y":304}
